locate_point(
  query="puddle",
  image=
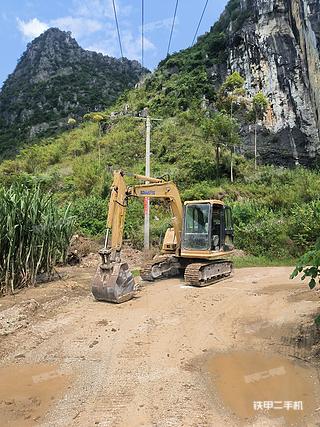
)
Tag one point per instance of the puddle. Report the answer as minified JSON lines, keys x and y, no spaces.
{"x":27,"y":391}
{"x":253,"y":384}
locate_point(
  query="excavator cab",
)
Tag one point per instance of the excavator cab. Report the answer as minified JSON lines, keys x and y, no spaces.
{"x":207,"y":227}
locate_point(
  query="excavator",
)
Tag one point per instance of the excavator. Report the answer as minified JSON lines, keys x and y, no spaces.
{"x":198,"y":244}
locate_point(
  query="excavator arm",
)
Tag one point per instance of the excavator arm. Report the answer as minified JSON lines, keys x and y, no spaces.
{"x":113,"y":280}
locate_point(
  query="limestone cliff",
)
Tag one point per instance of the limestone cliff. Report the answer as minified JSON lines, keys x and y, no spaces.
{"x":277,"y":50}
{"x":275,"y":45}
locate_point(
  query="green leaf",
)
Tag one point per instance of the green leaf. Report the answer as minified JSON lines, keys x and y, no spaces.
{"x":312,"y":283}
{"x":317,"y":320}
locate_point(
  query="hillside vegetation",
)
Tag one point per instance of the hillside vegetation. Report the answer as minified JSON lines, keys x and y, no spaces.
{"x":276,"y":210}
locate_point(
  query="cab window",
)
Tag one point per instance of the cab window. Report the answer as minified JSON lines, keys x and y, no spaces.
{"x":196,"y":232}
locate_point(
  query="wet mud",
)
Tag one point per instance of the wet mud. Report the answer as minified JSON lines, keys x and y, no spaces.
{"x":252,"y":384}
{"x":27,"y":392}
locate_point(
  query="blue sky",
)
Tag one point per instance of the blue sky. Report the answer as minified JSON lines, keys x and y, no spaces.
{"x":92,"y":24}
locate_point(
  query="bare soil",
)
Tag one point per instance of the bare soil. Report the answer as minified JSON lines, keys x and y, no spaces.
{"x":173,"y":356}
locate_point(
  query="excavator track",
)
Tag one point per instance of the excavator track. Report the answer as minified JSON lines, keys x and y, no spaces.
{"x":207,"y":273}
{"x":161,"y":267}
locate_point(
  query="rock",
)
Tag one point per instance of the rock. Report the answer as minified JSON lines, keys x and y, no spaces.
{"x":56,"y":79}
{"x":277,"y":51}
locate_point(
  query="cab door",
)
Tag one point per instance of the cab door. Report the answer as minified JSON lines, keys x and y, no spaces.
{"x":227,"y":231}
{"x":196,"y":230}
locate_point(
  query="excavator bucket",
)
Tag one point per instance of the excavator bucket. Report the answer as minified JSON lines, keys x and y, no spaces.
{"x":113,"y":282}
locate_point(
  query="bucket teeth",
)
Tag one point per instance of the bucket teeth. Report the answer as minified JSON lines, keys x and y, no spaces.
{"x":113,"y":283}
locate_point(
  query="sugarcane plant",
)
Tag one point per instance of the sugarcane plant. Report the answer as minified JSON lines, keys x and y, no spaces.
{"x":34,"y":236}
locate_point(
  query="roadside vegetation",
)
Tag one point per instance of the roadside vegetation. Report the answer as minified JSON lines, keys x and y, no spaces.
{"x":34,"y":236}
{"x":308,"y":267}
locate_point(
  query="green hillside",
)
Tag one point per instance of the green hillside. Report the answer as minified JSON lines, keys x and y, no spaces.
{"x":276,"y":210}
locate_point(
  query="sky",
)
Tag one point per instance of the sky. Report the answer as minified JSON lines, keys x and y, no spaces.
{"x":93,"y":26}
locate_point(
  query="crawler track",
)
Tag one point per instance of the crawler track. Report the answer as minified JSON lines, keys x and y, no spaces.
{"x":207,"y":273}
{"x":161,"y":267}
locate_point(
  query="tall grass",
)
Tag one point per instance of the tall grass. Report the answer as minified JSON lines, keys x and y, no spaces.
{"x":34,"y":236}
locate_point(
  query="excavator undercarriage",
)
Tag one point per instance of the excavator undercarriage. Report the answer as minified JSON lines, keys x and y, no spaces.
{"x":161,"y":267}
{"x":195,"y":273}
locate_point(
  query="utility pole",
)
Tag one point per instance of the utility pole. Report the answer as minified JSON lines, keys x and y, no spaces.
{"x":146,"y":199}
{"x":255,"y":145}
{"x":148,"y":120}
{"x":232,"y":147}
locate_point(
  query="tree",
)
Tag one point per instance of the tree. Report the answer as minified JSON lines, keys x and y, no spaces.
{"x":99,"y":118}
{"x":232,"y":82}
{"x":259,"y":107}
{"x":220,"y":130}
{"x":231,"y":98}
{"x":309,"y":265}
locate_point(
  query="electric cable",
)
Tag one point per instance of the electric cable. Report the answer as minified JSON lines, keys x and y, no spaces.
{"x":172,"y":27}
{"x":203,"y":11}
{"x":142,"y":34}
{"x":117,"y":25}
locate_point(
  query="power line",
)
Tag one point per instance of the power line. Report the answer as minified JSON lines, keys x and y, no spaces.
{"x":173,"y":22}
{"x":203,"y":11}
{"x":142,"y":34}
{"x":117,"y":24}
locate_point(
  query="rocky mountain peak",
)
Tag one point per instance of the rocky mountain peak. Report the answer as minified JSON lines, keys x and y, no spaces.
{"x":48,"y":54}
{"x":54,"y":79}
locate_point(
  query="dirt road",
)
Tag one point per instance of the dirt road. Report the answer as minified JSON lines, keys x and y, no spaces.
{"x":173,"y":356}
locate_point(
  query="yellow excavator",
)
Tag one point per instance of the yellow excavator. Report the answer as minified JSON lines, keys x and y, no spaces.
{"x":198,"y":245}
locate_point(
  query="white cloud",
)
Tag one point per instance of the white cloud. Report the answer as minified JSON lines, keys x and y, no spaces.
{"x":132,"y":45}
{"x":99,"y":48}
{"x":78,"y":26}
{"x":158,"y":25}
{"x":100,"y":8}
{"x":32,"y":28}
{"x":106,"y":47}
{"x":93,"y":8}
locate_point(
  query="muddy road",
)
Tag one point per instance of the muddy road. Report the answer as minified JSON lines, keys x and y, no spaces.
{"x":238,"y":353}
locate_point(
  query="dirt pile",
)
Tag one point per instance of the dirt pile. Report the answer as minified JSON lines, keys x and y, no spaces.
{"x":84,"y":251}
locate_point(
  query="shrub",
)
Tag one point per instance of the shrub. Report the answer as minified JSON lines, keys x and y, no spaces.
{"x":90,"y":215}
{"x":267,"y":237}
{"x":89,"y":177}
{"x":304,"y":225}
{"x":34,"y":236}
